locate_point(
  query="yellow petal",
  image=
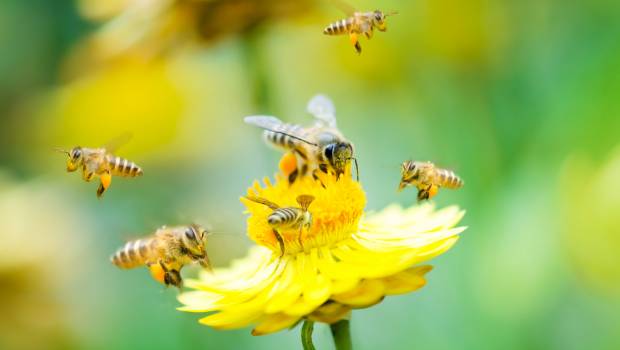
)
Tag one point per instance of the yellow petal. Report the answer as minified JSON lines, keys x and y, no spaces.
{"x":331,"y":312}
{"x":318,"y":286}
{"x":315,"y":287}
{"x":300,"y":307}
{"x":231,"y":319}
{"x":368,"y":292}
{"x":274,"y":323}
{"x":289,"y":288}
{"x":406,"y":281}
{"x":199,"y":301}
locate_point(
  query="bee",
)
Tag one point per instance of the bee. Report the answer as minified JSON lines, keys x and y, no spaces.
{"x":288,"y":218}
{"x":319,"y":147}
{"x":357,"y":24}
{"x":427,"y":178}
{"x":166,"y":252}
{"x":100,"y":162}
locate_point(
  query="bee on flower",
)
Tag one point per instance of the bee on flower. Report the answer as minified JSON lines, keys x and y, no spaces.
{"x":289,"y":217}
{"x":348,"y":259}
{"x":309,"y":150}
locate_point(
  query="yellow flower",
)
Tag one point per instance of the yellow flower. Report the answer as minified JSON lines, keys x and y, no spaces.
{"x":346,"y":260}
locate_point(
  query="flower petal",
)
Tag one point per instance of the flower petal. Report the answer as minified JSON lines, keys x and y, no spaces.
{"x":274,"y":323}
{"x":367,"y":293}
{"x":331,"y":312}
{"x":406,"y":281}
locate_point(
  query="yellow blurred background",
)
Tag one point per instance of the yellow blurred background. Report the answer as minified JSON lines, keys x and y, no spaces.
{"x":522,"y":99}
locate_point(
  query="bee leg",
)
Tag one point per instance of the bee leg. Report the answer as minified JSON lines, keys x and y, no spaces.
{"x":338,"y":173}
{"x":292,"y":176}
{"x":105,"y":180}
{"x":301,"y":243}
{"x":323,"y":168}
{"x":280,"y":241}
{"x":205,"y":262}
{"x":304,"y":169}
{"x":368,"y":33}
{"x":316,"y":178}
{"x":358,"y":48}
{"x":355,"y":42}
{"x":87,"y":175}
{"x":171,"y":276}
{"x":424,"y":193}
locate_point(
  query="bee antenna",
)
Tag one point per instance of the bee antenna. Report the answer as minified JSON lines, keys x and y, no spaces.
{"x":391,"y":13}
{"x":60,"y":150}
{"x":294,"y":137}
{"x":224,"y":233}
{"x":357,"y":170}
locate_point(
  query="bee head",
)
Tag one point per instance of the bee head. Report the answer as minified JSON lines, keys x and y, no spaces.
{"x":75,"y":157}
{"x":408,"y":173}
{"x":379,"y":20}
{"x":194,"y":239}
{"x":339,"y":155}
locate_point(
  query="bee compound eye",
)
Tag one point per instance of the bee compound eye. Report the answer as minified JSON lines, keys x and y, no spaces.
{"x":189,"y":233}
{"x":329,"y":151}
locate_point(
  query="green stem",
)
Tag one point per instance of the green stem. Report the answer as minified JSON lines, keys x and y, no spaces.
{"x":306,"y":335}
{"x":341,"y":331}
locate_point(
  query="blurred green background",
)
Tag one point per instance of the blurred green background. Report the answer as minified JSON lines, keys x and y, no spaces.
{"x":521,"y":98}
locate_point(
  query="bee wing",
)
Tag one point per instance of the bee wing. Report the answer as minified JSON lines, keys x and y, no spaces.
{"x":276,"y":125}
{"x":322,"y":108}
{"x":93,"y":159}
{"x":344,"y":6}
{"x":304,"y":201}
{"x":263,"y":201}
{"x":114,"y":144}
{"x":264,"y":121}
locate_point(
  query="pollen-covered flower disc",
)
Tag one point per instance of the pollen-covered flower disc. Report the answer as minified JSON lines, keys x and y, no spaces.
{"x":345,"y":260}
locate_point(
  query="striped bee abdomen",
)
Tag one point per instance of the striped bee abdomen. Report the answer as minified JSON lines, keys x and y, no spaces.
{"x":448,"y":178}
{"x":342,"y":26}
{"x":123,"y":167}
{"x":133,"y":254}
{"x":284,"y":217}
{"x":279,"y":138}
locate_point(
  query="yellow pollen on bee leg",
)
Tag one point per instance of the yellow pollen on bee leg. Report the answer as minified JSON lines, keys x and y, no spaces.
{"x":288,"y":163}
{"x":432,"y":191}
{"x":353,"y":38}
{"x":106,"y":179}
{"x":157,"y":272}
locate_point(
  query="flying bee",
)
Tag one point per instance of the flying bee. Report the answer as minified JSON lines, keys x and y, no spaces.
{"x":357,"y":24}
{"x":427,"y":178}
{"x":166,"y":252}
{"x":100,"y":162}
{"x":319,"y":147}
{"x":288,"y":218}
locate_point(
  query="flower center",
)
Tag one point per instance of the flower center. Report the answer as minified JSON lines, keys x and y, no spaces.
{"x":336,"y":210}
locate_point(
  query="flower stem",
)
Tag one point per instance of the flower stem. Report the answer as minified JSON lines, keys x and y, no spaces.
{"x":341,"y":331}
{"x":306,"y":335}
